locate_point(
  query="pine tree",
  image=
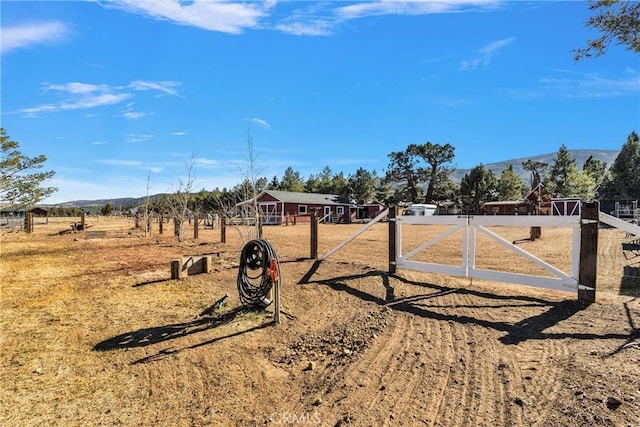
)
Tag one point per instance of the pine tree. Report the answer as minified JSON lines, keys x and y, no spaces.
{"x":405,"y":173}
{"x":510,"y":185}
{"x":596,"y":169}
{"x":580,"y":184}
{"x":18,"y":187}
{"x":562,"y":166}
{"x":408,"y":172}
{"x":618,"y":21}
{"x":624,"y":180}
{"x":362,"y":186}
{"x":477,"y":187}
{"x":291,"y":181}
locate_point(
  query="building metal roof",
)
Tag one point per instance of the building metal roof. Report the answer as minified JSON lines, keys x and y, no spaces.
{"x":307,"y":198}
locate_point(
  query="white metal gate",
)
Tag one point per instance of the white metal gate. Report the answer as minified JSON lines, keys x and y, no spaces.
{"x":473,"y":225}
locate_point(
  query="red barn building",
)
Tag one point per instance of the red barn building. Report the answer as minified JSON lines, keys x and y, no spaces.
{"x":276,"y":206}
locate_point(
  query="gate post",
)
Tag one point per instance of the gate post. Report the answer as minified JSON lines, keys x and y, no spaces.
{"x":393,"y":211}
{"x":260,"y":220}
{"x":314,"y":234}
{"x":28,"y":222}
{"x":587,"y":272}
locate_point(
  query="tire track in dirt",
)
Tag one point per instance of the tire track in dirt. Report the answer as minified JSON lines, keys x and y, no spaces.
{"x":428,"y":370}
{"x":425,"y":367}
{"x":517,"y":387}
{"x":368,"y":380}
{"x":475,"y":391}
{"x":539,"y":366}
{"x":385,"y":379}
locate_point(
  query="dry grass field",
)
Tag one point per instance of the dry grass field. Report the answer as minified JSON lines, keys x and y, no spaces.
{"x":94,"y":332}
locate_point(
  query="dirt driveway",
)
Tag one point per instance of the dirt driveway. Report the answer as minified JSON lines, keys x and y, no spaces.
{"x":94,"y":332}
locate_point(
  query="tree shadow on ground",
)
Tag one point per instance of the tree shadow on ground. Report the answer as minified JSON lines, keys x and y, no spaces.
{"x":531,"y":328}
{"x":149,"y":336}
{"x":630,"y":283}
{"x":634,"y":337}
{"x":151,"y":282}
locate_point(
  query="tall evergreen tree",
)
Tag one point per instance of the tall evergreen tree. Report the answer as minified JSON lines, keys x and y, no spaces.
{"x":477,"y":187}
{"x":324,"y":182}
{"x":436,"y":156}
{"x":384,"y":192}
{"x":624,"y":180}
{"x":444,"y":188}
{"x":510,"y":185}
{"x":537,"y":170}
{"x":563,"y":164}
{"x":580,"y":184}
{"x":339,"y":185}
{"x":362,"y":186}
{"x":19,"y":186}
{"x":291,"y":181}
{"x":405,"y":173}
{"x":274,"y":184}
{"x":408,"y":172}
{"x":596,"y":169}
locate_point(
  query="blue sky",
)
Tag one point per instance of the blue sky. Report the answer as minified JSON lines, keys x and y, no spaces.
{"x":115,"y":93}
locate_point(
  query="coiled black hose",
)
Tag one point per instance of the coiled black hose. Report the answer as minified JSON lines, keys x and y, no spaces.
{"x":259,"y":271}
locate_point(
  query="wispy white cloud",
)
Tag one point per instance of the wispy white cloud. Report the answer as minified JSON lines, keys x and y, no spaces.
{"x":485,"y":54}
{"x":573,"y":85}
{"x":133,"y":115}
{"x":178,"y":133}
{"x":134,"y":138}
{"x":223,"y":16}
{"x":415,"y":7}
{"x":309,"y":19}
{"x":130,"y":114}
{"x":98,"y":142}
{"x":260,"y":122}
{"x":207,"y":163}
{"x":76,"y":88}
{"x":77,"y":95}
{"x":166,"y":86}
{"x":25,"y":35}
{"x":321,"y":19}
{"x":76,"y":101}
{"x":306,"y":27}
{"x":131,"y":164}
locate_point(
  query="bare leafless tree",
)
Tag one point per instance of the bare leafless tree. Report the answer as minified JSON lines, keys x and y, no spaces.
{"x":245,"y":213}
{"x":147,"y":212}
{"x":179,"y":201}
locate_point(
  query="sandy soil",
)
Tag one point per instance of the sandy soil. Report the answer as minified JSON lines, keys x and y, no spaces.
{"x":94,"y":332}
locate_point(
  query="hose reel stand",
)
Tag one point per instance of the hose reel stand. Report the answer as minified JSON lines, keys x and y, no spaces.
{"x":258,"y":274}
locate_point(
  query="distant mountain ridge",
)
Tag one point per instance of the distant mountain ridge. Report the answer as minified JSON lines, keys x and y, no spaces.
{"x":115,"y":203}
{"x":580,"y":156}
